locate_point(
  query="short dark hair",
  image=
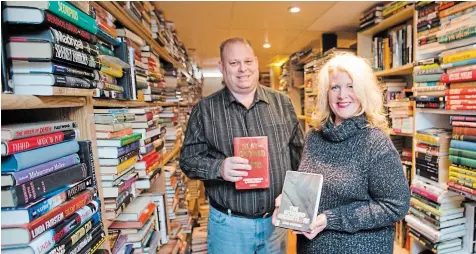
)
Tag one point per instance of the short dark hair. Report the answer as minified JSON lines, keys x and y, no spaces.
{"x":231,"y":41}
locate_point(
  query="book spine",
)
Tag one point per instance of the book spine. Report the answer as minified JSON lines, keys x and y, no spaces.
{"x":72,"y":82}
{"x":73,"y":15}
{"x":464,"y":138}
{"x":86,"y":157}
{"x":93,"y":225}
{"x":53,"y":218}
{"x":427,"y":157}
{"x":125,"y":149}
{"x":59,"y":23}
{"x":96,"y":243}
{"x":424,"y":193}
{"x":128,"y":156}
{"x":459,"y":76}
{"x":461,"y":107}
{"x":71,"y":56}
{"x":83,"y":244}
{"x":107,"y":38}
{"x":464,"y":131}
{"x":127,"y":184}
{"x":68,"y":70}
{"x":130,"y":139}
{"x":105,"y":51}
{"x":48,"y":203}
{"x":21,"y":145}
{"x":25,"y":193}
{"x":74,"y":43}
{"x":463,"y":161}
{"x":471,"y":97}
{"x":39,"y":128}
{"x":46,"y":168}
{"x":463,"y":124}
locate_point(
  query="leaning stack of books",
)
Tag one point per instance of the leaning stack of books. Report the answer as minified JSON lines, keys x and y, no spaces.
{"x":462,"y":155}
{"x":436,"y":218}
{"x":50,"y":55}
{"x":49,"y":195}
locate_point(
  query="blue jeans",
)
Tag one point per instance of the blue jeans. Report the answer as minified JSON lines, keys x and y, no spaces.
{"x":230,"y":234}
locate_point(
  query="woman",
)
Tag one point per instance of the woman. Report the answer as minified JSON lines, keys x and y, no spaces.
{"x":365,"y":192}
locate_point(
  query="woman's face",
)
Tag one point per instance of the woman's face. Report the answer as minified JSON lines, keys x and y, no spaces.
{"x":342,"y":99}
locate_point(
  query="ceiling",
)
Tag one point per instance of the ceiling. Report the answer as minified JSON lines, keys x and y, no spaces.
{"x":202,"y":26}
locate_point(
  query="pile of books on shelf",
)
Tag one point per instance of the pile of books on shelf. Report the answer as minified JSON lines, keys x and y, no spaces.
{"x":152,"y":93}
{"x":462,"y":155}
{"x":428,"y":89}
{"x":371,"y":17}
{"x":394,"y":7}
{"x":51,"y":53}
{"x":49,"y":195}
{"x":173,"y":131}
{"x":428,"y":23}
{"x":400,"y":109}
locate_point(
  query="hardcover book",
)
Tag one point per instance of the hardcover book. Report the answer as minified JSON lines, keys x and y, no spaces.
{"x":255,"y":149}
{"x":300,"y":200}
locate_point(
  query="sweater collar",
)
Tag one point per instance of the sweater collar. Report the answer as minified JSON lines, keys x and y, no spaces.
{"x":348,"y":128}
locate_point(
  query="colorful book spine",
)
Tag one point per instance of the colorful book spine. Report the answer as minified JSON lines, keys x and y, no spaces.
{"x":464,"y":145}
{"x":92,"y":225}
{"x":33,"y":190}
{"x":463,"y":76}
{"x":73,"y":15}
{"x":59,"y":23}
{"x":29,"y":174}
{"x":17,"y":131}
{"x":23,"y":160}
{"x":86,"y":157}
{"x":47,"y":203}
{"x":21,"y":145}
{"x":463,"y":161}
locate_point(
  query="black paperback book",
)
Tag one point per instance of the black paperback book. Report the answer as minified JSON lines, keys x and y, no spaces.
{"x":122,"y":52}
{"x":300,"y":200}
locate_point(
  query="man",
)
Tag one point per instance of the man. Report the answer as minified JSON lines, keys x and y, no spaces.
{"x":240,"y":220}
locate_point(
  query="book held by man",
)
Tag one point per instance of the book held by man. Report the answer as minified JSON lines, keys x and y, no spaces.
{"x":300,"y":200}
{"x":255,"y":149}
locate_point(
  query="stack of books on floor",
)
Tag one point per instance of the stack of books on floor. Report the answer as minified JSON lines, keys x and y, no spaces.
{"x":118,"y":150}
{"x":436,"y":218}
{"x":135,"y":228}
{"x":181,"y":209}
{"x":170,"y":189}
{"x":49,"y":194}
{"x":151,"y":145}
{"x":51,"y":53}
{"x":460,"y":67}
{"x":462,"y":155}
{"x":160,"y":215}
{"x":199,"y":240}
{"x":371,"y":17}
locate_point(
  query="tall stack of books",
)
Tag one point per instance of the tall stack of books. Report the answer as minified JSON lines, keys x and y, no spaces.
{"x":152,"y":93}
{"x":400,"y":110}
{"x":51,"y":53}
{"x":428,"y":91}
{"x":170,"y":189}
{"x":118,"y":150}
{"x":460,"y":66}
{"x":169,"y":119}
{"x":462,"y":155}
{"x":371,"y":17}
{"x":49,"y":195}
{"x":436,"y":218}
{"x":199,"y":240}
{"x":428,"y":24}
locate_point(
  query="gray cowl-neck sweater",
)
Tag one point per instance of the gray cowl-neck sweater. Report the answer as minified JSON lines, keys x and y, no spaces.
{"x":364,"y":193}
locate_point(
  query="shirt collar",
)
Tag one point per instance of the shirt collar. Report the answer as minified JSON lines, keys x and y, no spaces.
{"x":260,"y":95}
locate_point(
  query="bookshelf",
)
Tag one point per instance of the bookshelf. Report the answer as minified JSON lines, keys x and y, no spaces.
{"x":389,"y":22}
{"x":111,"y":103}
{"x":15,"y":102}
{"x":404,"y":70}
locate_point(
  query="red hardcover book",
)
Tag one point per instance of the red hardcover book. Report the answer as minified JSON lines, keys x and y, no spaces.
{"x":255,"y":149}
{"x":461,"y":107}
{"x":460,"y":97}
{"x":26,"y":144}
{"x":462,"y":76}
{"x":460,"y":91}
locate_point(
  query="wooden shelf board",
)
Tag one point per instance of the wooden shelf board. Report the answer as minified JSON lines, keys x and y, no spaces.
{"x":111,"y":103}
{"x":14,"y":102}
{"x":391,"y":21}
{"x":445,"y":112}
{"x":125,"y":19}
{"x":401,"y":134}
{"x":406,"y":69}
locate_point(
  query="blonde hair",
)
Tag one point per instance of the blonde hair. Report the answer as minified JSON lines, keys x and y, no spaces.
{"x":365,"y":85}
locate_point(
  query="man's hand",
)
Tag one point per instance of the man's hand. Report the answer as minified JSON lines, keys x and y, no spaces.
{"x":316,"y":227}
{"x":231,"y":169}
{"x":277,"y":203}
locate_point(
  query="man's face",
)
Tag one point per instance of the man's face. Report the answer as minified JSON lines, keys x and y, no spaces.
{"x":239,"y":67}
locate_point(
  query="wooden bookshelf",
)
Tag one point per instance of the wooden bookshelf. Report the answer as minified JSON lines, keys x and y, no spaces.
{"x":391,"y":21}
{"x":445,"y":112}
{"x":112,"y":103}
{"x":14,"y":102}
{"x":406,"y":69}
{"x":401,"y":134}
{"x":170,"y":155}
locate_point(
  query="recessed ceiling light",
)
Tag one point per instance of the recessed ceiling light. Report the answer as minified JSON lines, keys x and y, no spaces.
{"x":294,"y":9}
{"x":266,"y":45}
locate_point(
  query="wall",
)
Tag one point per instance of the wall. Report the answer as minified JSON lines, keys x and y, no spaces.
{"x":211,"y":85}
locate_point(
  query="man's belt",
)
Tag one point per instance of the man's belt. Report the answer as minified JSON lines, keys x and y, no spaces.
{"x":238,"y":214}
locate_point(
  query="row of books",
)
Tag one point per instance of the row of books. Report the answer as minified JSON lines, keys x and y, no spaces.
{"x":398,"y":105}
{"x":50,"y":202}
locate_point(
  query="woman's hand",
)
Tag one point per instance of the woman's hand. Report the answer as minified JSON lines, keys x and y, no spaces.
{"x":277,"y":203}
{"x":316,"y":227}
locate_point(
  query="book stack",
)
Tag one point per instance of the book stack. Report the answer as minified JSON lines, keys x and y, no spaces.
{"x":170,"y":189}
{"x":49,"y":195}
{"x":400,"y":109}
{"x":160,"y":215}
{"x":181,"y":209}
{"x":199,"y":240}
{"x":138,"y":12}
{"x":152,"y":93}
{"x":460,"y":66}
{"x":151,"y":146}
{"x":394,"y":7}
{"x":51,"y":53}
{"x":118,"y":150}
{"x":428,"y":91}
{"x":204,"y":211}
{"x":431,"y":155}
{"x":394,"y":48}
{"x":469,"y":240}
{"x":371,"y":17}
{"x":168,"y":118}
{"x":428,"y":24}
{"x":436,"y":218}
{"x":157,"y":25}
{"x":462,"y":155}
{"x":135,"y":228}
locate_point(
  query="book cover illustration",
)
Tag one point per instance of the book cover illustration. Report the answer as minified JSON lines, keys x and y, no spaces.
{"x":300,"y":200}
{"x":255,"y":149}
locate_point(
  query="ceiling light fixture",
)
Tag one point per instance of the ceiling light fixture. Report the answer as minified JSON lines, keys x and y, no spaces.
{"x":294,"y":9}
{"x":266,"y":45}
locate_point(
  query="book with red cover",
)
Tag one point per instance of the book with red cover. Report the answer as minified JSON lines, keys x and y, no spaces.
{"x":255,"y":149}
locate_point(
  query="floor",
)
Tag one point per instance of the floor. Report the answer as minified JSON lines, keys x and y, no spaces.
{"x":292,"y":246}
